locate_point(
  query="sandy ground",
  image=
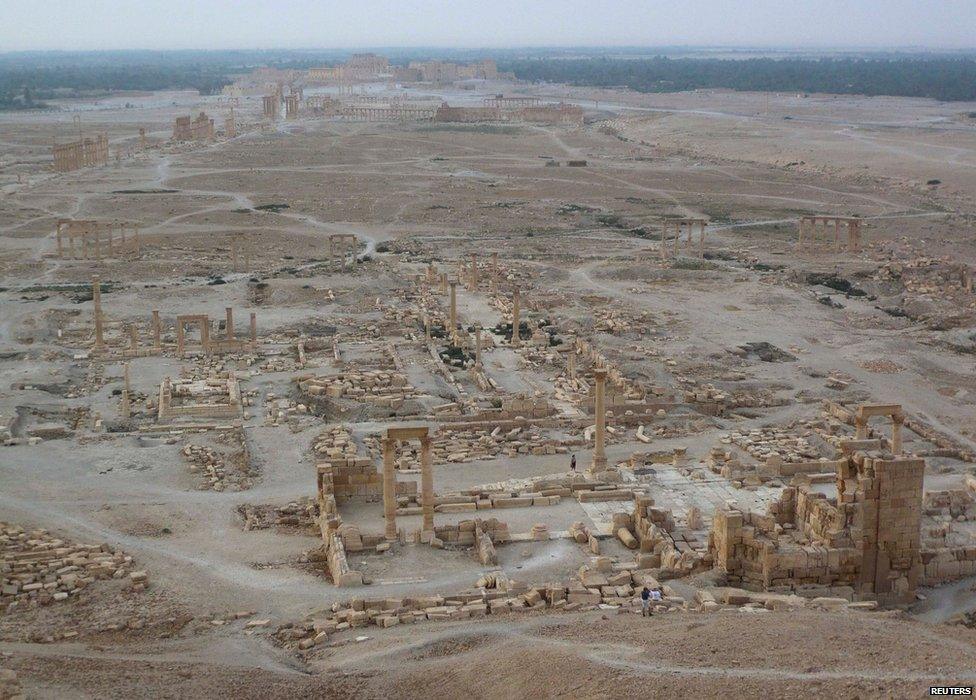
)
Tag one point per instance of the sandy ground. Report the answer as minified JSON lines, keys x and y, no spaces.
{"x":748,"y":163}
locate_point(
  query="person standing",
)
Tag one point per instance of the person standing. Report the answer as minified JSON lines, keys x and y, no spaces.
{"x":572,"y":464}
{"x":646,"y":602}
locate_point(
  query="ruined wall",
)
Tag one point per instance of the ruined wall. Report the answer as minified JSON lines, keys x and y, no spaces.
{"x":868,"y":539}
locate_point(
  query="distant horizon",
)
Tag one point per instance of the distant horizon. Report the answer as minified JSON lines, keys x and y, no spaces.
{"x":521,"y":47}
{"x":340,"y":25}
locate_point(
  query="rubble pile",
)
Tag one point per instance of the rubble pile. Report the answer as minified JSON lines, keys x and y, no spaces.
{"x":39,"y":568}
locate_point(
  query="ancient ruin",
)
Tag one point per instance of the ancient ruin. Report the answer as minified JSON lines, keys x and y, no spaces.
{"x":407,"y":341}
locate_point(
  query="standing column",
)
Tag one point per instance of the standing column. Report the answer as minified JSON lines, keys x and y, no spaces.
{"x":157,"y":331}
{"x":474,"y":272}
{"x":97,"y":302}
{"x":254,"y":331}
{"x":443,"y":283}
{"x":477,"y":346}
{"x":854,"y":235}
{"x":516,"y":322}
{"x":837,"y":244}
{"x":896,"y":423}
{"x":133,"y":337}
{"x":453,"y":314}
{"x":180,"y":337}
{"x":229,"y":323}
{"x":427,"y":487}
{"x":860,"y":428}
{"x":389,"y":488}
{"x":126,"y":408}
{"x":599,"y":389}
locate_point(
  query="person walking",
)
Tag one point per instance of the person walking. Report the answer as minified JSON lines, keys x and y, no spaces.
{"x":572,"y":464}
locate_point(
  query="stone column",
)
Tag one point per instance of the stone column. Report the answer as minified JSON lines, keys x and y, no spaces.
{"x":860,"y":429}
{"x":452,"y":319}
{"x":427,"y":487}
{"x":474,"y":272}
{"x":516,"y":322}
{"x":599,"y":389}
{"x":157,"y":331}
{"x":389,"y":488}
{"x":896,"y":423}
{"x":97,"y":302}
{"x":254,"y":331}
{"x":180,"y":337}
{"x":571,"y":363}
{"x":133,"y":337}
{"x":229,"y":323}
{"x":443,"y":283}
{"x":126,"y":409}
{"x":477,"y":347}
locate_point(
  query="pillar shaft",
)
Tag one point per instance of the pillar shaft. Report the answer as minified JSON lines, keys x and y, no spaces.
{"x":896,"y":436}
{"x":600,"y":409}
{"x":427,"y":483}
{"x":516,"y":321}
{"x":157,"y":331}
{"x":229,"y":323}
{"x":452,"y":319}
{"x":389,"y":488}
{"x":97,"y":302}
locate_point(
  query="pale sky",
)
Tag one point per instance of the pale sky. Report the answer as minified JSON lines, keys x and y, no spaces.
{"x":252,"y":24}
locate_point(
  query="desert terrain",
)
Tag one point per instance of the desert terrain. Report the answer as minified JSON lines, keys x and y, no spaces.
{"x":211,"y":480}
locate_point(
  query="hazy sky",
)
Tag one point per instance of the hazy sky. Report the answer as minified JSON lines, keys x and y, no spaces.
{"x":220,"y":24}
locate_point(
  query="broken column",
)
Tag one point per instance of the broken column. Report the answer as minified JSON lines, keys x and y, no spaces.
{"x":389,"y":488}
{"x":229,"y":323}
{"x":599,"y":463}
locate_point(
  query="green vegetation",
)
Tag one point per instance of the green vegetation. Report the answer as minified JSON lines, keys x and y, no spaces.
{"x":942,"y":78}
